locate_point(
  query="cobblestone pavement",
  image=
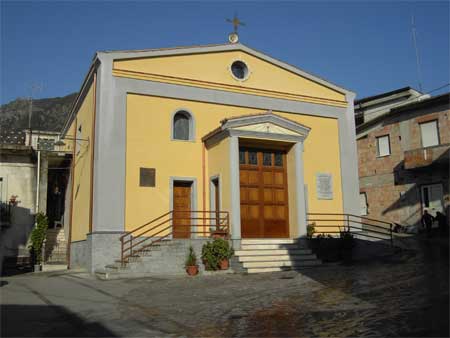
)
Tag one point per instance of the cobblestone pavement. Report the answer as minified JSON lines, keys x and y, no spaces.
{"x":406,"y":294}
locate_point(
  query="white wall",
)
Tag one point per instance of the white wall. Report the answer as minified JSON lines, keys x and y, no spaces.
{"x":18,"y":179}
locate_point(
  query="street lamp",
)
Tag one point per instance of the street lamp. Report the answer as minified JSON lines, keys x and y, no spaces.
{"x":60,"y":142}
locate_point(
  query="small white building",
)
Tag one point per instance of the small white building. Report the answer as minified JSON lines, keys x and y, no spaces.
{"x":33,"y":177}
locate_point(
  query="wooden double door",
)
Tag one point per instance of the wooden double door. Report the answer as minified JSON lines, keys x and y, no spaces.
{"x":264,"y":193}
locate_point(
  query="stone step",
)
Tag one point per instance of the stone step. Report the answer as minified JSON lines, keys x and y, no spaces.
{"x":102,"y":274}
{"x":276,"y":258}
{"x":272,"y":252}
{"x":113,"y":267}
{"x":282,"y":268}
{"x":269,"y":241}
{"x":275,"y":264}
{"x":287,"y":246}
{"x":373,"y":237}
{"x":144,"y":252}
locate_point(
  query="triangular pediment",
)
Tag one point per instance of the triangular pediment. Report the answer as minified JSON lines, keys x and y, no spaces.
{"x":264,"y":125}
{"x":267,"y":127}
{"x":266,"y":122}
{"x":210,"y":67}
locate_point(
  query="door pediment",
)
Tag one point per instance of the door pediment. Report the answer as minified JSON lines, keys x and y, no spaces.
{"x":260,"y":126}
{"x":267,"y":127}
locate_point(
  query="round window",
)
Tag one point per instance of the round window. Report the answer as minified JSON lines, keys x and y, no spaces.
{"x":239,"y":70}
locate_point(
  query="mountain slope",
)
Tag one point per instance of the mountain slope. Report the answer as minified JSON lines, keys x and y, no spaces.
{"x":48,"y":114}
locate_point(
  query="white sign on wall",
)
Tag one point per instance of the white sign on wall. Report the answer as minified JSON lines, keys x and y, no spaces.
{"x":324,"y":186}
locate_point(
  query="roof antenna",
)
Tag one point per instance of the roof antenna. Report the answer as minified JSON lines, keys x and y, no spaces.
{"x":419,"y":73}
{"x":34,"y":88}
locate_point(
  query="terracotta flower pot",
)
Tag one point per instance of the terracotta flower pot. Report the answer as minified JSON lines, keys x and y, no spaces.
{"x":219,"y":234}
{"x":224,"y":264}
{"x":192,"y":270}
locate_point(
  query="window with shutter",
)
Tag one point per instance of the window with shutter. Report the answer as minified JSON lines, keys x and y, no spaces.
{"x":429,"y":133}
{"x":182,"y":126}
{"x":383,"y":146}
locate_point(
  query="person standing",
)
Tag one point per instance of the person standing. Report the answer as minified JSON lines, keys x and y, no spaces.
{"x":442,"y":222}
{"x":427,"y":221}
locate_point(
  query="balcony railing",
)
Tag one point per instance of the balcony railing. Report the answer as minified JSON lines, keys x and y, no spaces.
{"x":423,"y":157}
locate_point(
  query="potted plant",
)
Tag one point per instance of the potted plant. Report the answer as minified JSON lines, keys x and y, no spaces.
{"x":223,"y":252}
{"x":219,"y":231}
{"x":209,"y":258}
{"x":219,"y":234}
{"x":191,"y":263}
{"x":328,"y":247}
{"x":37,"y":240}
{"x":310,"y":229}
{"x":347,"y":244}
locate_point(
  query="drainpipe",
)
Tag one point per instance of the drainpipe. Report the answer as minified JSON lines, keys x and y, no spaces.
{"x":38,"y":181}
{"x":204,"y":188}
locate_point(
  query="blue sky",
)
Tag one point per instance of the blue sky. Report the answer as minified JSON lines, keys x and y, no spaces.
{"x":363,"y":46}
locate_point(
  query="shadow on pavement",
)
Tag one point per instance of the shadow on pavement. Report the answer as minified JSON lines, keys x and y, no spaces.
{"x":8,"y":271}
{"x":47,"y":321}
{"x":408,"y":287}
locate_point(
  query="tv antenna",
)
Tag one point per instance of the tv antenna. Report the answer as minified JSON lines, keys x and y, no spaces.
{"x":419,"y":73}
{"x":34,"y":88}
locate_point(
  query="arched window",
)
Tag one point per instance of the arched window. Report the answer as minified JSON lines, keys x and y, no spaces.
{"x":182,"y":127}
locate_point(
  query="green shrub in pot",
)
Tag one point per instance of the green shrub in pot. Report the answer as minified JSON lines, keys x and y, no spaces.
{"x":37,"y":238}
{"x":209,"y":258}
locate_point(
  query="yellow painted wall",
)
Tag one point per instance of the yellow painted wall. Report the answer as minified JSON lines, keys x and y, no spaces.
{"x":82,"y":170}
{"x":211,"y":70}
{"x":68,"y":143}
{"x":149,"y":145}
{"x":219,"y":165}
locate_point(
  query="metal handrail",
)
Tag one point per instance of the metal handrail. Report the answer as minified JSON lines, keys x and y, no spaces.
{"x":350,"y":215}
{"x":130,"y":248}
{"x":347,"y":220}
{"x":359,"y":234}
{"x":352,"y":221}
{"x":143,"y":225}
{"x":349,"y":227}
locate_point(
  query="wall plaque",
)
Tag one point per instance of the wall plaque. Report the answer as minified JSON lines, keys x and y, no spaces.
{"x":147,"y":177}
{"x":324,"y":186}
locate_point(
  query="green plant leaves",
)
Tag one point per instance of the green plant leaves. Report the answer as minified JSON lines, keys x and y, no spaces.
{"x":191,"y":259}
{"x":38,"y":237}
{"x":216,"y":251}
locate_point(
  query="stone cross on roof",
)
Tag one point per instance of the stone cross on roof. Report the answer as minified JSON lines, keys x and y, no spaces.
{"x":236,"y":23}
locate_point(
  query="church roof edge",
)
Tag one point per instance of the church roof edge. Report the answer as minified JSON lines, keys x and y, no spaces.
{"x":130,"y":54}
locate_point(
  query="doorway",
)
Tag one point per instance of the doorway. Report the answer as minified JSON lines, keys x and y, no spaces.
{"x":215,"y":202}
{"x":432,"y":198}
{"x":182,"y":207}
{"x":264,"y":193}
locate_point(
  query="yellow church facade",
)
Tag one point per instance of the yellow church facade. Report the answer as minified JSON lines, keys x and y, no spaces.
{"x":218,"y":137}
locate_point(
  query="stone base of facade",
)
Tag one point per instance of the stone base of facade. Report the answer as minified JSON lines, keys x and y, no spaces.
{"x":98,"y":250}
{"x":167,"y":258}
{"x":78,"y":255}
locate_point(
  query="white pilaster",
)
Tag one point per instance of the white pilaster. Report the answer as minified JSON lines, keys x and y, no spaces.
{"x":300,"y":189}
{"x":234,"y":189}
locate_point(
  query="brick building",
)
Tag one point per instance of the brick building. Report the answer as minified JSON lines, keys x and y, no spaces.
{"x":403,"y":140}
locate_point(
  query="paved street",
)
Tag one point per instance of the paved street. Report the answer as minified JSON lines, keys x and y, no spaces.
{"x":402,"y":295}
